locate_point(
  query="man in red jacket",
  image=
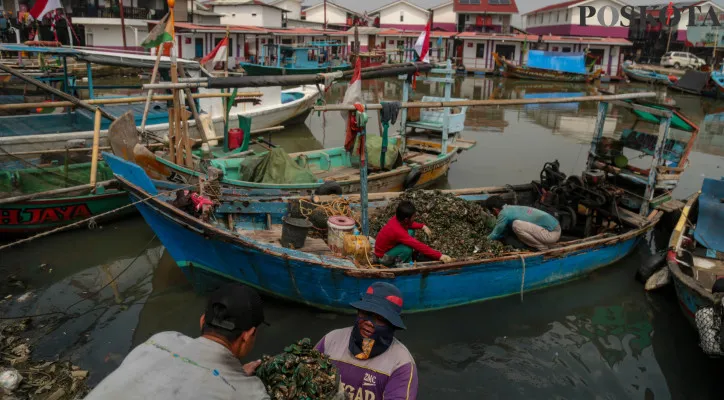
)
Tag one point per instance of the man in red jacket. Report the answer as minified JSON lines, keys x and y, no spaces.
{"x":395,"y":244}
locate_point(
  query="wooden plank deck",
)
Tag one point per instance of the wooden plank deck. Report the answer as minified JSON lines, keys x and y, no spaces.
{"x":273,"y":236}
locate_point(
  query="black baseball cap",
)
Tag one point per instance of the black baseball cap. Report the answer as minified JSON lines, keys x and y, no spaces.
{"x":234,"y":307}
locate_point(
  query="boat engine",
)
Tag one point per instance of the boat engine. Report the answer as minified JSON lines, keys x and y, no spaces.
{"x":562,"y":196}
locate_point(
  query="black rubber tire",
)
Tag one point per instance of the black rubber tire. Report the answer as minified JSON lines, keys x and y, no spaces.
{"x":650,"y":266}
{"x":677,"y":65}
{"x":412,"y":178}
{"x":329,"y":187}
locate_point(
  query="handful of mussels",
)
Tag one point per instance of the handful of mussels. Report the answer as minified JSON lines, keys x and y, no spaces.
{"x":300,"y":373}
{"x":460,"y":228}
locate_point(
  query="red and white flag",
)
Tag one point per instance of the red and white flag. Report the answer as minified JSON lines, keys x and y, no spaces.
{"x":353,"y":96}
{"x":422,"y":46}
{"x":216,"y":55}
{"x":43,"y":7}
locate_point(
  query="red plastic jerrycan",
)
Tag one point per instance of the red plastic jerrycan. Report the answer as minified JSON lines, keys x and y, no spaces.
{"x":236,"y":138}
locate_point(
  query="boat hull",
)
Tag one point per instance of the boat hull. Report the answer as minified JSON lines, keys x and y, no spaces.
{"x":645,"y":77}
{"x":689,"y":299}
{"x":207,"y":254}
{"x":264,"y":70}
{"x":32,"y":216}
{"x":513,"y":71}
{"x":389,"y":181}
{"x":266,"y":117}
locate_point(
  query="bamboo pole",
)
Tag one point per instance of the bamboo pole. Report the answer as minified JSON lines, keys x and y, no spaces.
{"x":54,"y":192}
{"x":78,"y":150}
{"x":192,"y":105}
{"x":96,"y":143}
{"x":147,"y":107}
{"x":126,"y":100}
{"x":487,"y":103}
{"x":54,"y":91}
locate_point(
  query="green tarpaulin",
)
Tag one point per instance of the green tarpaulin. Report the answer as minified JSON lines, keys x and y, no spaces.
{"x":374,"y":152}
{"x":275,"y":167}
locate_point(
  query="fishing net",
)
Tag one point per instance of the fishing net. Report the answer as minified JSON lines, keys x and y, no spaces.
{"x":299,"y":373}
{"x":460,"y":228}
{"x":708,"y":323}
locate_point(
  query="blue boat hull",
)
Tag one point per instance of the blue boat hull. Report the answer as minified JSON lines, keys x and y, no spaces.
{"x":205,"y":254}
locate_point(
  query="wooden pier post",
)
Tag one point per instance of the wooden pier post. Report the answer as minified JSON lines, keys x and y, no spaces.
{"x":96,"y":144}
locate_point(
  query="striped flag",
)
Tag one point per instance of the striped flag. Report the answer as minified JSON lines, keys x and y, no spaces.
{"x":42,"y":7}
{"x":422,"y":46}
{"x":163,"y":32}
{"x":218,"y":54}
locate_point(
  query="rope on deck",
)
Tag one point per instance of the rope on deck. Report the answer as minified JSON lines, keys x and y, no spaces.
{"x":90,"y":220}
{"x":522,"y":279}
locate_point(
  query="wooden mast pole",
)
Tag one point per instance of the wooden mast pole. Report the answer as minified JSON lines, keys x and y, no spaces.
{"x":159,"y":51}
{"x":174,"y":116}
{"x":123,"y":23}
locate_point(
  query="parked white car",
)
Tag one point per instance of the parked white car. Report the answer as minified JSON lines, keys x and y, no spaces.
{"x":680,"y":59}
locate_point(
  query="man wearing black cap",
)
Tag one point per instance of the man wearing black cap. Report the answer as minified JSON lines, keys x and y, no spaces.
{"x":373,"y":364}
{"x":170,"y":365}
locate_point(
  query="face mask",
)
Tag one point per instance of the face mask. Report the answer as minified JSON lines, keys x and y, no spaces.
{"x":363,"y":348}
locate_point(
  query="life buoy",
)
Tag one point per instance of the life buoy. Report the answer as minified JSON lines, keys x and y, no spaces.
{"x":412,"y":178}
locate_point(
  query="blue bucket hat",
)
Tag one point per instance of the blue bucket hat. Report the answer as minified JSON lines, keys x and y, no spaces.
{"x":385,"y":300}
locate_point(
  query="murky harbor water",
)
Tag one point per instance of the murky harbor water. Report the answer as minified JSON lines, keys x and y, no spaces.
{"x":598,"y":337}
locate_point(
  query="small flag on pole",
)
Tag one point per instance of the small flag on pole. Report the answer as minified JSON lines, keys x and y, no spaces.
{"x":161,"y":33}
{"x":43,"y":7}
{"x":218,"y":54}
{"x":422,"y":45}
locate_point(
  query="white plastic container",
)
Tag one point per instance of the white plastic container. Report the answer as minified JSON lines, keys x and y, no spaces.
{"x":338,"y":227}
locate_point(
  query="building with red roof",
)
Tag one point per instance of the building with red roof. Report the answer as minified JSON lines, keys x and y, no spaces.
{"x":565,"y":19}
{"x":406,"y":15}
{"x":484,"y":15}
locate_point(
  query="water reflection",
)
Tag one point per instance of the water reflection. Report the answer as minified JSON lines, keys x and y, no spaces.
{"x":600,"y":337}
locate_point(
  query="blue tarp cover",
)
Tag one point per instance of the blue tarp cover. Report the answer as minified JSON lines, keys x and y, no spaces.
{"x":557,"y":61}
{"x":708,"y":230}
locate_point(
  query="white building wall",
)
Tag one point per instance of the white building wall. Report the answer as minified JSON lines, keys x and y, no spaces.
{"x":272,"y":18}
{"x":207,"y":19}
{"x":250,"y":15}
{"x":293,"y":6}
{"x":445,"y":15}
{"x":411,"y":15}
{"x":110,"y":36}
{"x":335,"y":16}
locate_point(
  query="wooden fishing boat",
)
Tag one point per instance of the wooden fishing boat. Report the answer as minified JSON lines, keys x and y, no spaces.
{"x":251,"y":253}
{"x":694,"y":266}
{"x":421,"y":168}
{"x":39,"y":199}
{"x":313,"y":58}
{"x":415,"y":161}
{"x":511,"y":70}
{"x":243,"y":244}
{"x":645,"y":76}
{"x":19,"y":134}
{"x":717,"y":78}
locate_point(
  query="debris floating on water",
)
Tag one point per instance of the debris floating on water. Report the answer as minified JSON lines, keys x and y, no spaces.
{"x":299,"y":373}
{"x":460,"y":228}
{"x":24,"y":378}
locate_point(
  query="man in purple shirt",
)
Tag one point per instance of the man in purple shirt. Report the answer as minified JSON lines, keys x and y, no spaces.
{"x":373,"y":364}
